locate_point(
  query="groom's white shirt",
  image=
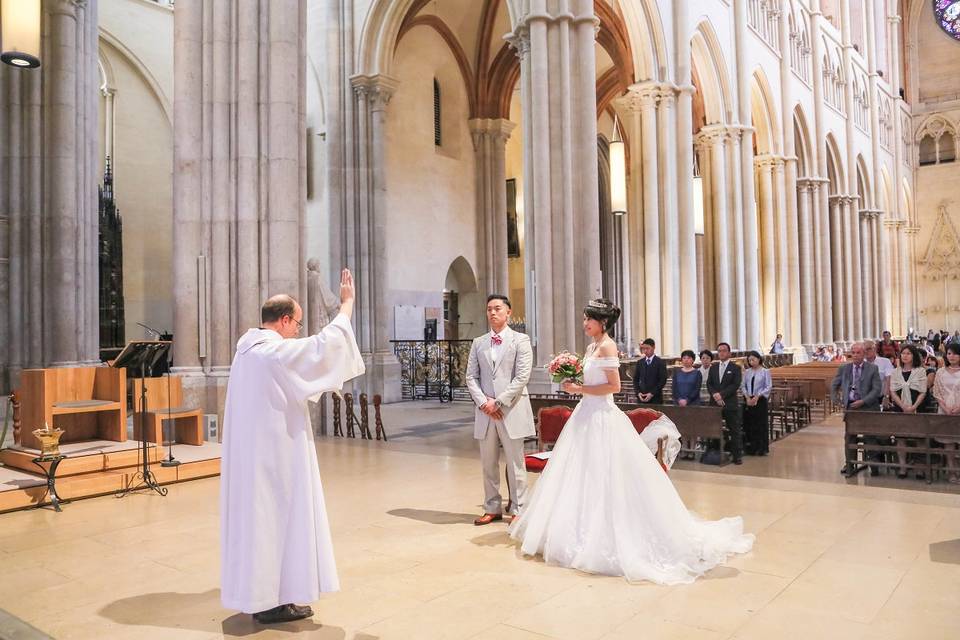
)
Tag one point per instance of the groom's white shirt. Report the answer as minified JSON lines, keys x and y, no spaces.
{"x":504,"y":379}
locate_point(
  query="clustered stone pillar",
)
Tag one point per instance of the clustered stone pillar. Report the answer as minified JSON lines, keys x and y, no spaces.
{"x":807,"y":189}
{"x":768,"y":250}
{"x":239,"y":178}
{"x":558,"y":95}
{"x":367,"y":237}
{"x":489,"y":142}
{"x":49,"y":168}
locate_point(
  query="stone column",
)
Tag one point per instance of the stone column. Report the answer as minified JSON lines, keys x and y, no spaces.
{"x":840,"y":269}
{"x":669,"y":224}
{"x":848,"y":294}
{"x":489,"y":142}
{"x":808,"y":333}
{"x":893,"y":310}
{"x":239,"y":178}
{"x":640,"y":120}
{"x":787,"y":251}
{"x":70,"y":246}
{"x":793,"y":331}
{"x":750,"y":302}
{"x":858,"y":293}
{"x":689,"y":309}
{"x":716,"y":138}
{"x":768,"y":252}
{"x":737,"y":242}
{"x":880,"y":290}
{"x":822,"y":203}
{"x":373,"y":94}
{"x":560,"y":140}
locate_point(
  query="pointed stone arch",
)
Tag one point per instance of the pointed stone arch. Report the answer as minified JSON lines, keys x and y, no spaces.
{"x":711,"y":72}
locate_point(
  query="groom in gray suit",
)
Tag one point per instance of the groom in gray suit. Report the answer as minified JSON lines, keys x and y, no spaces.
{"x":497,"y":375}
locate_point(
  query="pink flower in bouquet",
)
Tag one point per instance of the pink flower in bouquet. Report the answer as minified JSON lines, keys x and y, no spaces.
{"x":566,"y":366}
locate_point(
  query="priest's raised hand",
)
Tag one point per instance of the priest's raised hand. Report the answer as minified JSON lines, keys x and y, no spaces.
{"x":275,"y":539}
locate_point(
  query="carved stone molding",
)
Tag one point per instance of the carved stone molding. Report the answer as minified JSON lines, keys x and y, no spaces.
{"x":376,"y":89}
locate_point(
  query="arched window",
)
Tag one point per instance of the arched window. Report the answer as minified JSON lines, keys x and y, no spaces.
{"x":437,"y":138}
{"x":946,"y":149}
{"x":928,"y":150}
{"x":947,"y":13}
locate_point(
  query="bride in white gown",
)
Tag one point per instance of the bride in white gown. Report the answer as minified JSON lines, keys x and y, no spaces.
{"x":603,"y":504}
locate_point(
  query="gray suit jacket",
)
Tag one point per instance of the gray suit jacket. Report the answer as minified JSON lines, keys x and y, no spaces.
{"x":505,"y":382}
{"x":871,"y":386}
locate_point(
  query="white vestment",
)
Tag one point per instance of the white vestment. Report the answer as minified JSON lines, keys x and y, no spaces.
{"x":274,"y":537}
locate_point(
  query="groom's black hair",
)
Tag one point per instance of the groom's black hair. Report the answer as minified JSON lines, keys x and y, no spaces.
{"x":499,"y":296}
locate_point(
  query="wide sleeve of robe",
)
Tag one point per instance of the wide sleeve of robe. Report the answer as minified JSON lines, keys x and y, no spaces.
{"x":322,"y":362}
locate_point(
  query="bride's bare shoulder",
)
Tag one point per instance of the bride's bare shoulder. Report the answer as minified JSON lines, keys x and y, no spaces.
{"x":607,"y":349}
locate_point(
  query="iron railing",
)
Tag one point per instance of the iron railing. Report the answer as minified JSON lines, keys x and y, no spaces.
{"x":433,"y":369}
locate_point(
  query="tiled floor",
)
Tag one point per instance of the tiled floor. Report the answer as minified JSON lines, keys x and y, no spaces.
{"x":833,"y":559}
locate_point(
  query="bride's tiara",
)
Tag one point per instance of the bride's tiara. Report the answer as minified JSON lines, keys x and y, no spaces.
{"x":596,"y":304}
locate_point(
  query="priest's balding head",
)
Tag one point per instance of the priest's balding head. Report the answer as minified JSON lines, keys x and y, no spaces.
{"x":282,"y":314}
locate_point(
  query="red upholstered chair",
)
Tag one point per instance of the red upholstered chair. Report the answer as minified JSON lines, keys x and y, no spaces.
{"x":550,"y":422}
{"x":641,"y":418}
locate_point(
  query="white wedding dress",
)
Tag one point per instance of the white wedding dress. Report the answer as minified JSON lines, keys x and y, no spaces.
{"x":604,"y":505}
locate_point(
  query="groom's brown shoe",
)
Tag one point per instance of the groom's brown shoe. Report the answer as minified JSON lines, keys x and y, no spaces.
{"x":487,"y":518}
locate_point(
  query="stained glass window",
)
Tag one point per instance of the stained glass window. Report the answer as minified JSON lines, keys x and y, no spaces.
{"x":948,"y":15}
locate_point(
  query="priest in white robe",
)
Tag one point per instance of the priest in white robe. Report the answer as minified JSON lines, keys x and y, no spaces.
{"x":275,"y":543}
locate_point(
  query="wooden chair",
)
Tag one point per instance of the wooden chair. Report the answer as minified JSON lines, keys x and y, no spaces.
{"x":165,"y":402}
{"x":88,"y":403}
{"x":550,"y":422}
{"x":641,"y":419}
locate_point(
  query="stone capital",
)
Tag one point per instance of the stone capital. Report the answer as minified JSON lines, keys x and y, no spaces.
{"x":519,"y":41}
{"x":716,"y":134}
{"x":498,"y":129}
{"x":376,"y":89}
{"x":641,"y":96}
{"x":765,"y":160}
{"x":894,"y":19}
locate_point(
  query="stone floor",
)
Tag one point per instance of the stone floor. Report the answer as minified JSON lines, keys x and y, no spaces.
{"x":833,"y":559}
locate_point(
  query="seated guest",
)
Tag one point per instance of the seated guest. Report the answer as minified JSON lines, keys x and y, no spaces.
{"x":687,"y":380}
{"x":857,"y":385}
{"x":706,"y":359}
{"x":650,"y":375}
{"x":756,"y":386}
{"x":777,"y":347}
{"x":887,"y":347}
{"x":946,"y":389}
{"x":925,"y":347}
{"x":907,"y":388}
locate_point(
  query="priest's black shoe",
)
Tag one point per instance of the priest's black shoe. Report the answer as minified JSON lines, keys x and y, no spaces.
{"x":283,"y":613}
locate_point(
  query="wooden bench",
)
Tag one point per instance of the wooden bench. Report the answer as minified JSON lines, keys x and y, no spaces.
{"x":165,"y":402}
{"x":86,"y":402}
{"x":872,"y":432}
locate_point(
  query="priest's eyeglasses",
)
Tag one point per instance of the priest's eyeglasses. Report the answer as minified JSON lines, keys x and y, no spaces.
{"x":299,"y":324}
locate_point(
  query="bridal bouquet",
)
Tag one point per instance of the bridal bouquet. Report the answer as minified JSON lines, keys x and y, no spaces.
{"x":566,"y":366}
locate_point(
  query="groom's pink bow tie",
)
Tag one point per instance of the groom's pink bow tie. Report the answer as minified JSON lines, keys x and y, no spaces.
{"x":496,"y":340}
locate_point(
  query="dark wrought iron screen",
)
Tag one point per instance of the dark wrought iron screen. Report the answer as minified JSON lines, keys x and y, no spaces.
{"x":111,"y":271}
{"x":433,"y":368}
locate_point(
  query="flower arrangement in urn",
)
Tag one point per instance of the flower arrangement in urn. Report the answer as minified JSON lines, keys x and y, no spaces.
{"x":566,"y":366}
{"x":49,"y":438}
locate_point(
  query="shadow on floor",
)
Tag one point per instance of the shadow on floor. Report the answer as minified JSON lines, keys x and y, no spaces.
{"x":946,"y":552}
{"x":495,"y":539}
{"x":186,"y":611}
{"x":433,"y":517}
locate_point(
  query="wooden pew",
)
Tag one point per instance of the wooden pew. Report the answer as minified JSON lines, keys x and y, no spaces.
{"x":863,"y":428}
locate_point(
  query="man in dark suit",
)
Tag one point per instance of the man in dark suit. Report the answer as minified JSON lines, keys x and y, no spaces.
{"x":723,"y":381}
{"x":650,"y":375}
{"x":858,"y":385}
